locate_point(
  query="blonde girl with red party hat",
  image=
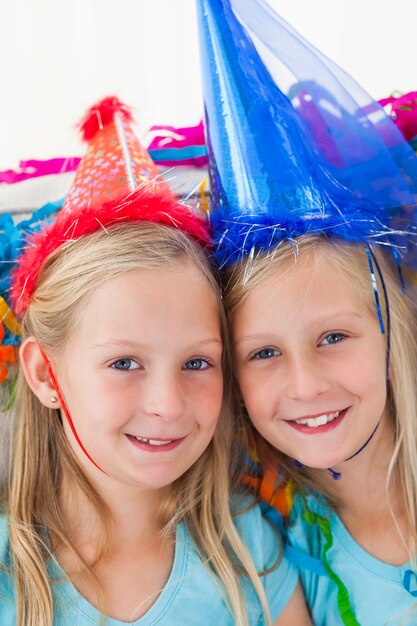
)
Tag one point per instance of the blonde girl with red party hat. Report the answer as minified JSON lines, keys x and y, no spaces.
{"x":118,"y":507}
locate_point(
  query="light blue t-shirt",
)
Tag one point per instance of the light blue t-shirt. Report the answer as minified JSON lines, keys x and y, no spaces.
{"x":378,"y":593}
{"x":190,"y":596}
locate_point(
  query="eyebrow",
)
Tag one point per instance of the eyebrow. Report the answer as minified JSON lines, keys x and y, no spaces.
{"x":339,"y":315}
{"x":322,"y":320}
{"x":122,"y":343}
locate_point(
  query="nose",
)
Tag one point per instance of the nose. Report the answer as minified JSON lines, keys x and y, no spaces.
{"x":162,"y":395}
{"x":306,"y":378}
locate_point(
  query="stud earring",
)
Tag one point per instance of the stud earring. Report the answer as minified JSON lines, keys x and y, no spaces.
{"x":54,"y":399}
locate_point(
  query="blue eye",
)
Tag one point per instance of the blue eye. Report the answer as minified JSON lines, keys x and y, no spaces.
{"x":266,"y":353}
{"x":196,"y":364}
{"x":332,"y":338}
{"x":125,"y":365}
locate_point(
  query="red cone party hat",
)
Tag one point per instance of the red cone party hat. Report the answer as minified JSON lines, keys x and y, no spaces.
{"x":116,"y":181}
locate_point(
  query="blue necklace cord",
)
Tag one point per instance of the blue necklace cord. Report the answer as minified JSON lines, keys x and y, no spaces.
{"x":387,"y":308}
{"x":371,"y":257}
{"x":400,"y":272}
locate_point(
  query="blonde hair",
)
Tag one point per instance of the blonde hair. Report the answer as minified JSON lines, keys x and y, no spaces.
{"x":351,"y":263}
{"x":42,"y":455}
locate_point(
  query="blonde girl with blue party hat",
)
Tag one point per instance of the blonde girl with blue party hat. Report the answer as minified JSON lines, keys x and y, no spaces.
{"x":314,"y":213}
{"x":118,"y":505}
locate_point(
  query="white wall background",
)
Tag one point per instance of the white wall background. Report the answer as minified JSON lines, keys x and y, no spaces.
{"x":58,"y":56}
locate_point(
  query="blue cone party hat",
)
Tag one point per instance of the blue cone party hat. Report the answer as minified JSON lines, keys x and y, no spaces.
{"x":295,"y":144}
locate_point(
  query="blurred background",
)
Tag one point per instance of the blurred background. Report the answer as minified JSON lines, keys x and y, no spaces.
{"x":58,"y":57}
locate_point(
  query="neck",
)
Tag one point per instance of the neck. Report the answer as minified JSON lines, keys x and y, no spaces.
{"x":363,"y":484}
{"x":121,"y":560}
{"x":130,"y":513}
{"x":373,"y":511}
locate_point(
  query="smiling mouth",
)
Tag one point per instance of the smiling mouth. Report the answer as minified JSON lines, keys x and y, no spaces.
{"x":318,"y":423}
{"x":320,"y":420}
{"x":154,"y":445}
{"x":154,"y":442}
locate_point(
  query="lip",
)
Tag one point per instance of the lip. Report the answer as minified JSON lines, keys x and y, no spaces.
{"x":141,"y":445}
{"x":325,"y":428}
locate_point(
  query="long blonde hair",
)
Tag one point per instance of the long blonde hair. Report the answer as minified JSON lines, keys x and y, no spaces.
{"x":42,"y":455}
{"x":351,"y":262}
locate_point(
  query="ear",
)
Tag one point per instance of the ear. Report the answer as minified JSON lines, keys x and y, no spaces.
{"x":36,"y":373}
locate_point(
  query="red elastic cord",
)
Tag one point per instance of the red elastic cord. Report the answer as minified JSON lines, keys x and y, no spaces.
{"x":65,"y":409}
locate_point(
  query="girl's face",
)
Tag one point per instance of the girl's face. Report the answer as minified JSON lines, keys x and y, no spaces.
{"x":310,"y":360}
{"x":142,"y":375}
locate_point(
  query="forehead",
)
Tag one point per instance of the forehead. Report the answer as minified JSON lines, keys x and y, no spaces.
{"x":307,"y":286}
{"x":142,"y":301}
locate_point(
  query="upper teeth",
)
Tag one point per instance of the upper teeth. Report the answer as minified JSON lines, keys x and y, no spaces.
{"x":313,"y":422}
{"x":154,"y":442}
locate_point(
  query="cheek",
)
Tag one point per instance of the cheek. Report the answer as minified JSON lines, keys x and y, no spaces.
{"x":210,"y":400}
{"x":96,"y":407}
{"x":258,"y":395}
{"x":365,"y":371}
{"x":202,"y":394}
{"x":371,"y":381}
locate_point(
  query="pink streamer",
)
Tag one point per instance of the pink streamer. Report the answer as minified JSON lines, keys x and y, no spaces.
{"x":166,"y":137}
{"x":33,"y":168}
{"x":403,"y":111}
{"x":171,"y":137}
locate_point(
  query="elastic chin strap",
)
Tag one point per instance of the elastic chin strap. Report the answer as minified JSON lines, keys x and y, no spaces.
{"x":372,"y":260}
{"x":65,"y":408}
{"x":337,"y":475}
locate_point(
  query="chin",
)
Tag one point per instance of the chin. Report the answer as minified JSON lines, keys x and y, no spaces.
{"x":322,"y":462}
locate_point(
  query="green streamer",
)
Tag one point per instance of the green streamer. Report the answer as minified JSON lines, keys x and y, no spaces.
{"x":343,"y":601}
